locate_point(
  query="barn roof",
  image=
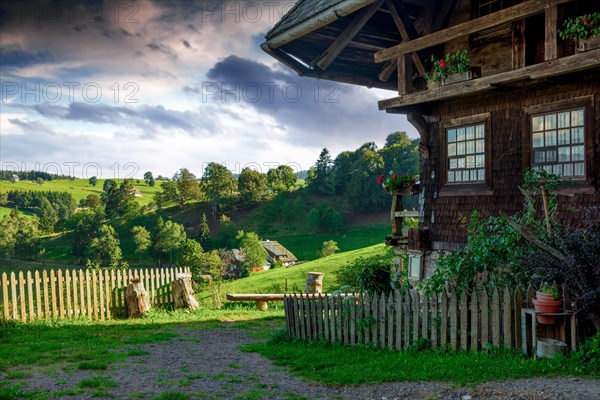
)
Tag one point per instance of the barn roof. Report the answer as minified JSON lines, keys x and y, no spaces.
{"x":276,"y":250}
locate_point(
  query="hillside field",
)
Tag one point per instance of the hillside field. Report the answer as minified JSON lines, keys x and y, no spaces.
{"x":79,"y":188}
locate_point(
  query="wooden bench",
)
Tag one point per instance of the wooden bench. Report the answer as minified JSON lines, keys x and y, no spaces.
{"x":262,"y":300}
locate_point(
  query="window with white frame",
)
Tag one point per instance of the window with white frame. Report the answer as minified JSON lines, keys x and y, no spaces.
{"x":558,"y":142}
{"x":466,"y":153}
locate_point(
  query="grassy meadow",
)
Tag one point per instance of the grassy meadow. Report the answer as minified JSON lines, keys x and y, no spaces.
{"x":79,"y":188}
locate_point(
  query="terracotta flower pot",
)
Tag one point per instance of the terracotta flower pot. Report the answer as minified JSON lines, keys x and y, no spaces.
{"x":546,"y":307}
{"x":544,"y":296}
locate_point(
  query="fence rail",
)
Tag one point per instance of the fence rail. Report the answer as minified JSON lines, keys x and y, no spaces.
{"x":96,"y":294}
{"x":395,"y":321}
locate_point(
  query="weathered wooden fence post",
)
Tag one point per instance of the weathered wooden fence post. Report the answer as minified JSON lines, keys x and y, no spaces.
{"x":137,"y":299}
{"x":314,"y":283}
{"x":183,"y":294}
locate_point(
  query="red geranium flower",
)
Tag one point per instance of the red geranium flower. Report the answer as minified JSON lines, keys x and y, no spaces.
{"x":394,"y":176}
{"x":591,"y":24}
{"x":584,"y":20}
{"x":443,"y":63}
{"x":381,"y":178}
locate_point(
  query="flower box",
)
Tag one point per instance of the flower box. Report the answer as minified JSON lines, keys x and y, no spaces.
{"x":588,"y":44}
{"x":475,"y":72}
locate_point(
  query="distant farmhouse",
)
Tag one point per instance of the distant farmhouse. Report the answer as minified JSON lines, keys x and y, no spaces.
{"x":277,"y":253}
{"x":136,"y":193}
{"x":13,"y":178}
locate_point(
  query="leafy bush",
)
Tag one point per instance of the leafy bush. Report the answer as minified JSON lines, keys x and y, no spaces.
{"x":492,"y":254}
{"x":580,"y":274}
{"x":367,"y":273}
{"x":589,"y":352}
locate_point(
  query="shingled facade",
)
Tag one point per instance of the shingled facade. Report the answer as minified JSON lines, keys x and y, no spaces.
{"x":535,"y":102}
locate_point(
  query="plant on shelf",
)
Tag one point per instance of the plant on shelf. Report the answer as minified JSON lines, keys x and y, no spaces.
{"x":396,"y":183}
{"x":581,"y":27}
{"x":547,"y":301}
{"x":456,"y":63}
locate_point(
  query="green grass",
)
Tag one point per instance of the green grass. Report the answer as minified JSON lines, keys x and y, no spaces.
{"x":274,"y":281}
{"x":307,"y":246}
{"x":79,"y":188}
{"x":337,"y":365}
{"x":88,"y":345}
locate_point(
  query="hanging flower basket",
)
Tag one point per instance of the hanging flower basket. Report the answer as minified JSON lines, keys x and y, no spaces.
{"x":397,"y":184}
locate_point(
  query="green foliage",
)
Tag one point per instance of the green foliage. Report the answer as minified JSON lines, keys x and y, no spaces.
{"x":581,"y":27}
{"x":551,"y":290}
{"x":105,"y":248}
{"x":452,"y":63}
{"x":204,"y":231}
{"x":370,"y":274}
{"x":589,"y":354}
{"x":252,"y":185}
{"x":119,"y":201}
{"x":141,"y":238}
{"x":329,"y":248}
{"x":213,"y":264}
{"x":93,"y":181}
{"x":493,"y":251}
{"x":320,"y":178}
{"x":168,"y":237}
{"x":181,"y":189}
{"x":281,"y":179}
{"x":18,"y":235}
{"x":325,"y":218}
{"x":252,"y":246}
{"x":190,"y":254}
{"x":218,"y":183}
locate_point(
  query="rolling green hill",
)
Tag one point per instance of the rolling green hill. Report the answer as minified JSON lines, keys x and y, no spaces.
{"x":79,"y":188}
{"x":274,"y":281}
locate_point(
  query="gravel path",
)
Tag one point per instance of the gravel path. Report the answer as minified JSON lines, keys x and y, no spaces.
{"x":207,"y":364}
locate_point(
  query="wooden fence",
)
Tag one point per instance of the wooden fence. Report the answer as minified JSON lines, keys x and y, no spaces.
{"x":96,"y":294}
{"x":395,"y":321}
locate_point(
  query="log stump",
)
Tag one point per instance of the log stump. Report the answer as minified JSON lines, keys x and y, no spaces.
{"x":314,"y":283}
{"x":183,"y":294}
{"x":138,"y":302}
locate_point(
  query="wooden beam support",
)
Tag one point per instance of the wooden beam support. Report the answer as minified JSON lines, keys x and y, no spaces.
{"x":404,"y":74}
{"x":518,"y":44}
{"x":513,"y":13}
{"x":417,"y":120}
{"x":340,"y":43}
{"x":387,"y":70}
{"x":407,"y":31}
{"x":550,"y":48}
{"x":590,"y":60}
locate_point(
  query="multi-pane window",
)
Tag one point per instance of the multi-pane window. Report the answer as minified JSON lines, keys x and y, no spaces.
{"x":466,"y":153}
{"x":558,"y":142}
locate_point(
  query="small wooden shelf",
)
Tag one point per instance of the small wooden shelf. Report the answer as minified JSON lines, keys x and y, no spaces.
{"x":529,"y":328}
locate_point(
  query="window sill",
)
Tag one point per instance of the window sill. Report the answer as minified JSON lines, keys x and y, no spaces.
{"x":577,"y":187}
{"x":477,"y":189}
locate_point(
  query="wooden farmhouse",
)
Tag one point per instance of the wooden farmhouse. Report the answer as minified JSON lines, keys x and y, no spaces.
{"x":532,"y":99}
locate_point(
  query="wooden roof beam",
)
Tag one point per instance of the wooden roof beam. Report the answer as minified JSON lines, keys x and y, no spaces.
{"x":407,"y":31}
{"x":340,"y":43}
{"x":513,"y":13}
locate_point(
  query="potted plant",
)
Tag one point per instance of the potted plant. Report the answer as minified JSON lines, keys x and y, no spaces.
{"x":397,"y":184}
{"x":585,"y":29}
{"x":452,"y":68}
{"x":547,"y":301}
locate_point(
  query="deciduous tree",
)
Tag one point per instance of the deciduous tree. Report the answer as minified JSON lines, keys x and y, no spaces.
{"x":218,"y":183}
{"x":142,"y":240}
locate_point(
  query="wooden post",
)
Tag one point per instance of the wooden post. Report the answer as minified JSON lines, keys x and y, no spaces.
{"x":183,"y":294}
{"x":137,"y":299}
{"x":314,"y":283}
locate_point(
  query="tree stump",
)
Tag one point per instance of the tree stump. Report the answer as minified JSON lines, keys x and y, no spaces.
{"x":137,"y":299}
{"x":314,"y":283}
{"x":183,"y":294}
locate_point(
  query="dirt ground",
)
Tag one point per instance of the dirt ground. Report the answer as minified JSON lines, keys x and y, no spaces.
{"x":208,"y":364}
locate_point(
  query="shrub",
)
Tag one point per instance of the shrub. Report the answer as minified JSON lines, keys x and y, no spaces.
{"x":375,"y":278}
{"x":349,"y":274}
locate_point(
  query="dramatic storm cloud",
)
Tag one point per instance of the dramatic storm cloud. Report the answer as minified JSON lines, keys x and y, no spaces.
{"x":165,"y":85}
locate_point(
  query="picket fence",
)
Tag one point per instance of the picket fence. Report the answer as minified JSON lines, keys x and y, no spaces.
{"x":396,"y":321}
{"x":96,"y":294}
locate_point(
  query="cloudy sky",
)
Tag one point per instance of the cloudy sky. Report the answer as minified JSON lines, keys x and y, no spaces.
{"x":117,"y":88}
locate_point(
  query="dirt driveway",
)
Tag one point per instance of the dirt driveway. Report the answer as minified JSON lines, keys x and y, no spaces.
{"x":208,"y":364}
